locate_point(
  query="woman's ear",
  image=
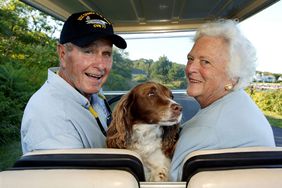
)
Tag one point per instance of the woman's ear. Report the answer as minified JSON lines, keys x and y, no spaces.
{"x":231,"y":83}
{"x":234,"y":81}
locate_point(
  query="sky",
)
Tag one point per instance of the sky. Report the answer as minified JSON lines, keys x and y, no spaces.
{"x":264,"y":30}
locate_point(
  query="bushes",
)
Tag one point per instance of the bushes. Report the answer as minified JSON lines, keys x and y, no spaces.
{"x":14,"y":93}
{"x":270,"y":100}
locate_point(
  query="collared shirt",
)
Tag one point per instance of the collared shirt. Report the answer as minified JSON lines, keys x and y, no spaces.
{"x":57,"y":117}
{"x":230,"y":122}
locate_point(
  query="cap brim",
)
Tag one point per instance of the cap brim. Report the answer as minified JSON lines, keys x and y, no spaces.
{"x":117,"y":40}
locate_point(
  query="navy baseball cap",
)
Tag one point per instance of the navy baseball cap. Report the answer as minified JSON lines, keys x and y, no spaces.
{"x":83,"y":28}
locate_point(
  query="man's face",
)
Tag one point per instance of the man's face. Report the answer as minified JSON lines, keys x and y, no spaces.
{"x":87,"y":68}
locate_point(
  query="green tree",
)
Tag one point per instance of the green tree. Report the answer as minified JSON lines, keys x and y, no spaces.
{"x":177,"y":72}
{"x":160,"y":69}
{"x":14,"y":93}
{"x":145,"y":65}
{"x":148,"y":67}
{"x":120,"y":76}
{"x":25,"y":54}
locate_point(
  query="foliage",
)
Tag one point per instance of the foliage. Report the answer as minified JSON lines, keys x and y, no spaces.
{"x":177,"y":71}
{"x":25,"y":53}
{"x":161,"y":68}
{"x":15,"y":91}
{"x":120,"y":77}
{"x":9,"y":153}
{"x":274,"y":119}
{"x":145,"y":65}
{"x":269,"y":100}
{"x":163,"y":71}
{"x":140,"y":78}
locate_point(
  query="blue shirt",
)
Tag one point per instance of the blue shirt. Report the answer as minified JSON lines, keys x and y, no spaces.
{"x":57,"y":117}
{"x":232,"y":121}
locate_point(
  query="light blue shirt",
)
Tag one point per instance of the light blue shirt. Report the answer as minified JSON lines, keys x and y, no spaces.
{"x":57,"y":117}
{"x":232,"y":121}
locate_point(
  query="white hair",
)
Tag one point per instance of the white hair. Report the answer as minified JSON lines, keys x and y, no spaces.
{"x":242,"y":54}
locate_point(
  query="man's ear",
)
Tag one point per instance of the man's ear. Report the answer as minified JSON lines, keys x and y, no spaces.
{"x":61,"y":50}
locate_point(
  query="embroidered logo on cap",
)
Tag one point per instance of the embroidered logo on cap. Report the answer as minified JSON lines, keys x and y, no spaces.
{"x":97,"y":23}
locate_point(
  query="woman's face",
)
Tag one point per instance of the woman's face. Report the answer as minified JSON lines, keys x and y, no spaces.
{"x":87,"y":68}
{"x":206,"y":70}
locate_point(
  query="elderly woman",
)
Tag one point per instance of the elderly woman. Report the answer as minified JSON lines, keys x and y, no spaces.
{"x":220,"y":65}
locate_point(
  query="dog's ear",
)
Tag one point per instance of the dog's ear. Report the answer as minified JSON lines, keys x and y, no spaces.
{"x":121,"y":126}
{"x":169,"y":139}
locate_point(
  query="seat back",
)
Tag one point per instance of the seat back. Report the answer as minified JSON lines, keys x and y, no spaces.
{"x":67,"y":178}
{"x":74,"y":168}
{"x":83,"y":159}
{"x":237,"y":167}
{"x":240,"y":178}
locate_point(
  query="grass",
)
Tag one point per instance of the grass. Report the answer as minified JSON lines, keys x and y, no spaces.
{"x":9,"y":153}
{"x":274,"y":119}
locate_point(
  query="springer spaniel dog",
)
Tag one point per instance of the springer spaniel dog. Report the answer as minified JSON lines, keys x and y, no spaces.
{"x":146,"y":120}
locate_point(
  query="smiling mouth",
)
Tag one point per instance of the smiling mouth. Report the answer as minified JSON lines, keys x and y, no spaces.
{"x":96,"y":76}
{"x":191,"y":80}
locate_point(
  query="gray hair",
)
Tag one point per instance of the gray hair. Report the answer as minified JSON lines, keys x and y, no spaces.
{"x":242,"y":54}
{"x":68,"y":46}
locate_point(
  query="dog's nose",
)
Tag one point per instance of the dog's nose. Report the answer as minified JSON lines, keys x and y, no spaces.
{"x":176,"y":108}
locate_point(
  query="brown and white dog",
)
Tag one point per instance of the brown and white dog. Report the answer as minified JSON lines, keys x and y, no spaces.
{"x":146,"y":121}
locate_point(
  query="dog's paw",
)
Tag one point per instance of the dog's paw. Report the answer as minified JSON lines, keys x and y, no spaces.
{"x":159,"y":175}
{"x":162,"y":176}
